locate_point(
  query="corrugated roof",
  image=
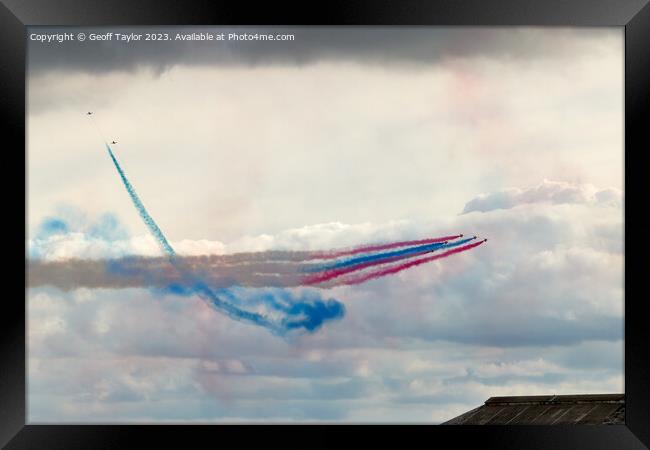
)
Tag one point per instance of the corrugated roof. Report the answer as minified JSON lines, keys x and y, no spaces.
{"x":589,"y":409}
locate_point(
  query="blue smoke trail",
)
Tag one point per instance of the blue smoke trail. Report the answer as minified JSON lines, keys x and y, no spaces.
{"x":376,"y":257}
{"x":387,"y":255}
{"x":50,"y":227}
{"x":308,"y":315}
{"x":148,"y":220}
{"x":308,"y":311}
{"x":327,"y":275}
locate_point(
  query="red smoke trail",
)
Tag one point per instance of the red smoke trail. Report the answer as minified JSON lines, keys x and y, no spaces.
{"x":335,"y":273}
{"x":372,"y":248}
{"x":398,"y":268}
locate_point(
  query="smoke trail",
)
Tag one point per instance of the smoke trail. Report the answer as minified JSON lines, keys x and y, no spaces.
{"x":266,"y":269}
{"x":403,"y":266}
{"x":307,"y":313}
{"x":371,"y":248}
{"x":196,"y":285}
{"x":148,"y":220}
{"x":332,"y":274}
{"x":216,"y":271}
{"x":316,"y":312}
{"x":376,"y":257}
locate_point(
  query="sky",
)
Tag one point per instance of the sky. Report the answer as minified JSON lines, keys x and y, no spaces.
{"x":343,"y":136}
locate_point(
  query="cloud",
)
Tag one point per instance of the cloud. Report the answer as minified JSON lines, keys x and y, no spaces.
{"x":537,"y":310}
{"x":71,"y":232}
{"x":557,"y":192}
{"x":135,"y":389}
{"x":369,"y":45}
{"x":73,"y":235}
{"x":562,"y":261}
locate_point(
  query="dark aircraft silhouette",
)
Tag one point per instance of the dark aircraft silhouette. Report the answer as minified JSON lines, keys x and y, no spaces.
{"x":114,"y":142}
{"x":89,"y":113}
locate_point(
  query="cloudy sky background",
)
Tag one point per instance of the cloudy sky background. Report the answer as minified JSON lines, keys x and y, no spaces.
{"x":341,"y":137}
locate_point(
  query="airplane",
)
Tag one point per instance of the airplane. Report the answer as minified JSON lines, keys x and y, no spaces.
{"x":114,"y":142}
{"x":89,"y":113}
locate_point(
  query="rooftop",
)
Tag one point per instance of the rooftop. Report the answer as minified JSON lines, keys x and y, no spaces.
{"x":590,"y":409}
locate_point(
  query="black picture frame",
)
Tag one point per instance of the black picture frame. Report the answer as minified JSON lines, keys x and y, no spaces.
{"x":633,"y":15}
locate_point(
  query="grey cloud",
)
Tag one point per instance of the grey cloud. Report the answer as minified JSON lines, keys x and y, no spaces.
{"x":217,"y":271}
{"x":469,"y":313}
{"x":388,"y":45}
{"x":172,"y":393}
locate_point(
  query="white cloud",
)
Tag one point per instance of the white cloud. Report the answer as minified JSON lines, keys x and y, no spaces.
{"x":557,"y":192}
